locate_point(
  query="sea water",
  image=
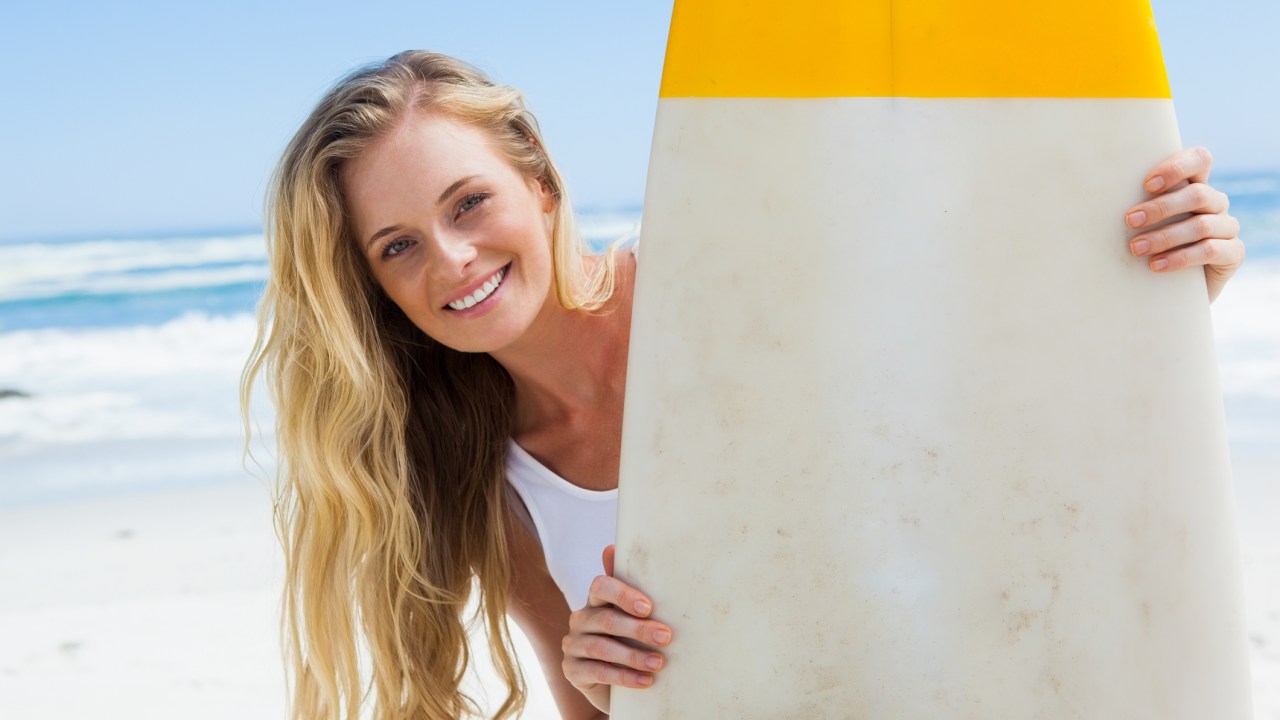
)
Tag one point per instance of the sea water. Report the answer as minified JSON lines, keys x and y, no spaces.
{"x":120,"y":357}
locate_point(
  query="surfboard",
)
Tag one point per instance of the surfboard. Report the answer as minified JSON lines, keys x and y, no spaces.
{"x":908,"y":432}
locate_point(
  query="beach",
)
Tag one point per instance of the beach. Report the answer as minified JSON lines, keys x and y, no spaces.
{"x":164,"y":604}
{"x":139,"y":572}
{"x":157,"y":605}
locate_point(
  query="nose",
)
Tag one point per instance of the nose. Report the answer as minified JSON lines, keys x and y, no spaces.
{"x":450,"y":256}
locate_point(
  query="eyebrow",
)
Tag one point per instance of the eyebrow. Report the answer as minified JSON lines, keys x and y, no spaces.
{"x":443,"y":196}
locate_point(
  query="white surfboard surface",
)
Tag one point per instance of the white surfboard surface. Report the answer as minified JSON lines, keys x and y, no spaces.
{"x":909,"y":433}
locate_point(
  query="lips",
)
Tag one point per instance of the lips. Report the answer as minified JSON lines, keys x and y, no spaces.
{"x":479,"y":293}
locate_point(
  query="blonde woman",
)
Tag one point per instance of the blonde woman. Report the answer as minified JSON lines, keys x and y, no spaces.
{"x":448,"y":369}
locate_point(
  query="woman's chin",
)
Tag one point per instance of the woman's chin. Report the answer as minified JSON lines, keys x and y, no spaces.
{"x":487,"y":337}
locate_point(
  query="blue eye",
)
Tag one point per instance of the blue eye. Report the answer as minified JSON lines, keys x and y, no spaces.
{"x":471,"y":201}
{"x":395,"y":247}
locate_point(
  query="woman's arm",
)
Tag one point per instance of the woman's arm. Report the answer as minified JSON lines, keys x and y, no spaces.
{"x":540,"y":610}
{"x":1207,"y":236}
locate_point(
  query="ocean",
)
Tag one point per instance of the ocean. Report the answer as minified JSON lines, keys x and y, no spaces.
{"x":120,"y":356}
{"x":120,"y":359}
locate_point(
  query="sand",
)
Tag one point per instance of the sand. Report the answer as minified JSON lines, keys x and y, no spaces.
{"x":164,"y":605}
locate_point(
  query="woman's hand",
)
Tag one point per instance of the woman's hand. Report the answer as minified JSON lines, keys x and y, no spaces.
{"x":1208,"y":236}
{"x":595,"y":654}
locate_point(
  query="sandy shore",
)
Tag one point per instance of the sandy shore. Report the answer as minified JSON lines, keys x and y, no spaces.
{"x":161,"y":605}
{"x":164,"y":605}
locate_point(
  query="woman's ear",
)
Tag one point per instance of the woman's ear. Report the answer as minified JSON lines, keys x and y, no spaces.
{"x":549,"y":199}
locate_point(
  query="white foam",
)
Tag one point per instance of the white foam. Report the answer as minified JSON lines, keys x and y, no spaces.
{"x":30,"y":270}
{"x":176,"y":380}
{"x":603,"y":229}
{"x":123,"y":283}
{"x":1246,"y":319}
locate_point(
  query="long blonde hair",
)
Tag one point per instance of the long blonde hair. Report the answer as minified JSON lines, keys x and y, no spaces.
{"x":391,"y":447}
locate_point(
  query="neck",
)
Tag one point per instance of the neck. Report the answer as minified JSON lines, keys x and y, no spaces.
{"x":570,"y":364}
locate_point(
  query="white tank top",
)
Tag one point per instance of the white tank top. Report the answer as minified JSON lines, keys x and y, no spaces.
{"x":573,"y":524}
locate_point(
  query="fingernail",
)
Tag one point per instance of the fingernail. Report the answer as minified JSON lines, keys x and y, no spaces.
{"x":653,"y":661}
{"x":662,"y":637}
{"x":1154,"y":184}
{"x":1137,"y":218}
{"x":1140,"y":247}
{"x":643,"y":607}
{"x":646,"y":680}
{"x":1160,"y":264}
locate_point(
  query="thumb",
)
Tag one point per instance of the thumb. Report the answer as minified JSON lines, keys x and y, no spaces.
{"x":607,"y":558}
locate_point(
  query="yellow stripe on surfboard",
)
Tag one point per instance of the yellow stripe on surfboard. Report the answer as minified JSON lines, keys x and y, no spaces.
{"x":914,"y":48}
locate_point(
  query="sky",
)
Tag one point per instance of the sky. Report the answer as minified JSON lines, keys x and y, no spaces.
{"x":147,"y":118}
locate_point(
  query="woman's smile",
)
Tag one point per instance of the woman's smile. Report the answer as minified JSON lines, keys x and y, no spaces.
{"x":479,"y":297}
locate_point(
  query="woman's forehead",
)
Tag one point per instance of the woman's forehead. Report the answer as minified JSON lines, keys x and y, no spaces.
{"x":421,"y":157}
{"x":427,"y":144}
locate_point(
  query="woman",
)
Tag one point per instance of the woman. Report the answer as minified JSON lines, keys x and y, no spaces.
{"x":440,"y":352}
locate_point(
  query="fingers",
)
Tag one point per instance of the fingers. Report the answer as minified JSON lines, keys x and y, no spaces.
{"x":607,"y":590}
{"x":611,"y":641}
{"x":595,"y":651}
{"x":1192,"y":164}
{"x":585,"y":673}
{"x":1189,"y":231}
{"x":606,"y":558}
{"x":1194,"y":198}
{"x":1201,"y":232}
{"x":1222,"y":256}
{"x":615,"y":623}
{"x":609,"y":649}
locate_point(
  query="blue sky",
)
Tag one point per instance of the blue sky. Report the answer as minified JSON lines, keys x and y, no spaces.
{"x":140,"y":117}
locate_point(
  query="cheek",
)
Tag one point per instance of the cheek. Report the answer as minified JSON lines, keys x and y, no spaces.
{"x":529,"y":234}
{"x":515,"y":224}
{"x":386,"y":281}
{"x":402,"y":286}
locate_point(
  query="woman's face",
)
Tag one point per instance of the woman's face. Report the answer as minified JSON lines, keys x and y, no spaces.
{"x":457,"y":238}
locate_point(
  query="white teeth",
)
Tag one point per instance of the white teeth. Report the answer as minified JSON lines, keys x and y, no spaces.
{"x":479,"y":295}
